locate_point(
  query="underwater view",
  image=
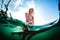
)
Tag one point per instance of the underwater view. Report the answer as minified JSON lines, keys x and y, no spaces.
{"x":43,"y":25}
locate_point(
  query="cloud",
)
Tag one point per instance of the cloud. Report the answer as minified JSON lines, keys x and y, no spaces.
{"x":17,"y":3}
{"x":30,"y":4}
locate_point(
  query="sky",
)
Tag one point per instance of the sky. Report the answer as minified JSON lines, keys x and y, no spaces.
{"x":45,"y":11}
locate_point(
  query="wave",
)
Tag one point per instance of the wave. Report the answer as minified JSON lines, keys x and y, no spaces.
{"x":42,"y":27}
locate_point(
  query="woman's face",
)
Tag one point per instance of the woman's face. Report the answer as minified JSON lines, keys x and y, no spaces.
{"x":31,"y":11}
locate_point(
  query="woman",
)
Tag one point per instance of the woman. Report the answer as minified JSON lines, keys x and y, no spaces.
{"x":29,"y":16}
{"x":30,"y":21}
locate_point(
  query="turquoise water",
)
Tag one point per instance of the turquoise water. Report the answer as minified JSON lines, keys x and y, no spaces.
{"x":7,"y":29}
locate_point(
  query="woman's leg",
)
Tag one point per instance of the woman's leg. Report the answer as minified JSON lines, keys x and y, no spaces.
{"x":25,"y":33}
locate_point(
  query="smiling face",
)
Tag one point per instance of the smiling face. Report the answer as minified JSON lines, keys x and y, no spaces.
{"x":31,"y":11}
